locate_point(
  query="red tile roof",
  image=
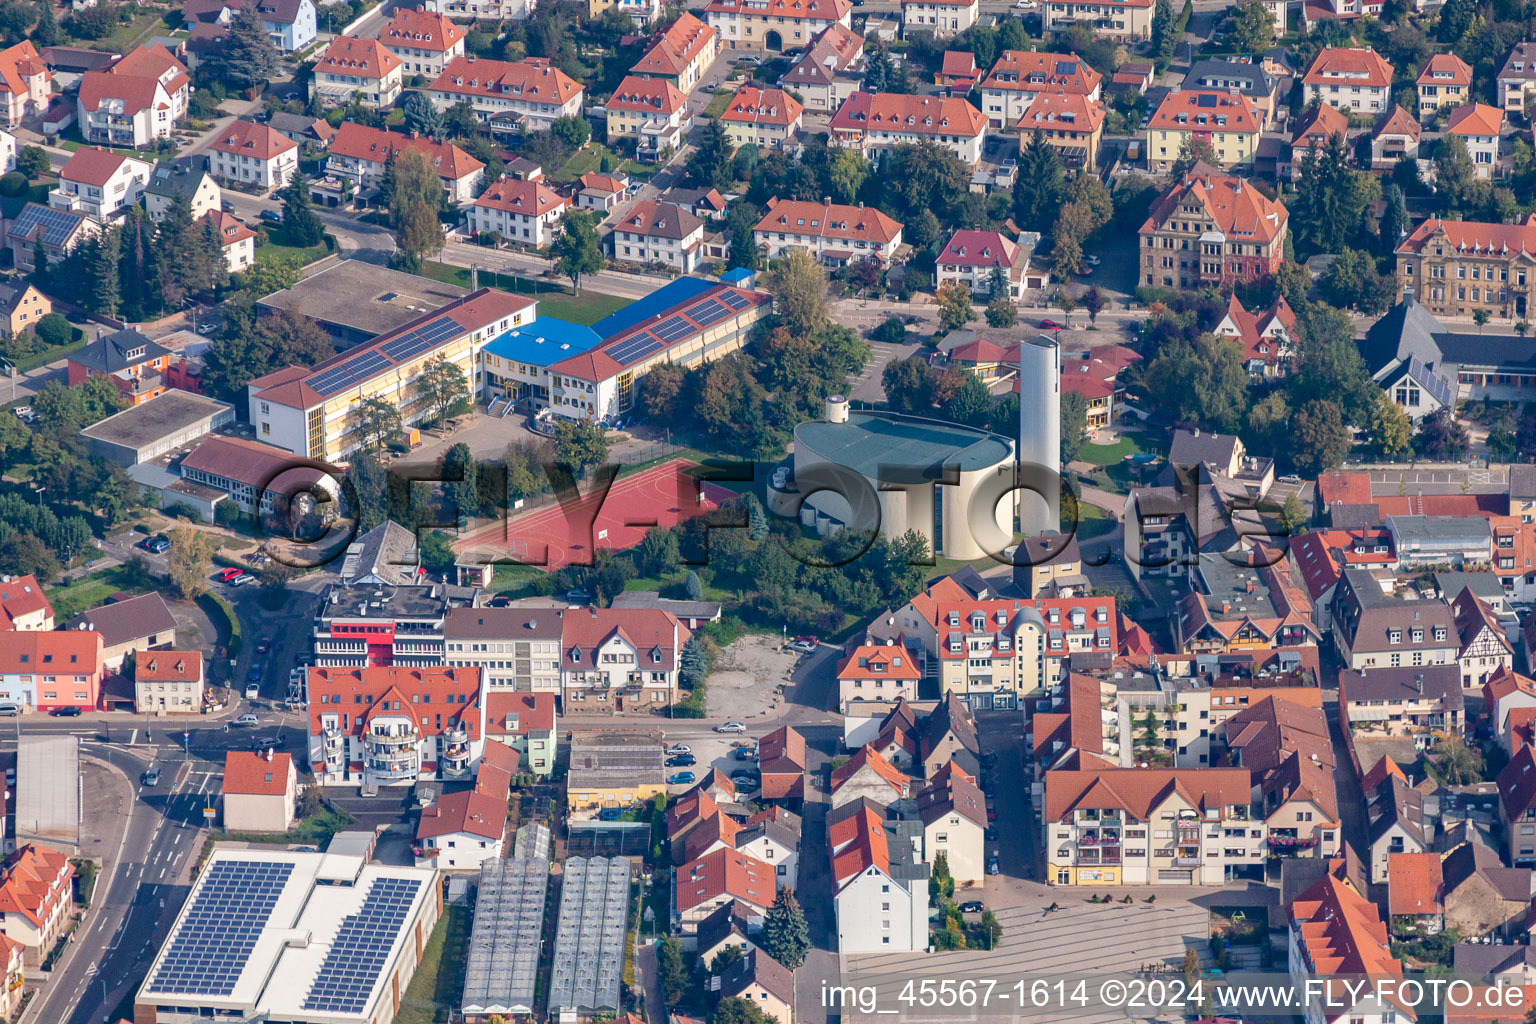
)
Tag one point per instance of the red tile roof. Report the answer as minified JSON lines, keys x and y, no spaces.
{"x":1063,"y":112}
{"x":246,"y":462}
{"x":1517,"y":783}
{"x":535,"y":712}
{"x":680,"y":45}
{"x":92,"y":166}
{"x":168,"y":667}
{"x":468,"y":811}
{"x":154,"y":62}
{"x":752,"y":105}
{"x":17,"y":63}
{"x":420,"y":693}
{"x":878,"y":661}
{"x":1396,"y":121}
{"x":1475,"y":119}
{"x":420,"y":29}
{"x":868,"y":756}
{"x":1341,"y":488}
{"x":857,"y":843}
{"x":1034,"y":71}
{"x":645,"y":629}
{"x":19,"y":596}
{"x":532,"y":80}
{"x":1354,"y":67}
{"x":257,"y":141}
{"x":375,"y":145}
{"x":1445,"y":69}
{"x":1239,"y":210}
{"x":724,"y":873}
{"x":1342,"y":933}
{"x":830,"y":220}
{"x":360,"y":58}
{"x":647,"y":95}
{"x":34,"y":882}
{"x":970,"y":248}
{"x":959,"y":63}
{"x":1204,"y":110}
{"x":60,"y":652}
{"x":1139,"y":791}
{"x":231,"y":230}
{"x":1415,"y":886}
{"x":530,"y":198}
{"x":1322,"y":124}
{"x":781,"y":762}
{"x":251,"y":774}
{"x":909,"y":114}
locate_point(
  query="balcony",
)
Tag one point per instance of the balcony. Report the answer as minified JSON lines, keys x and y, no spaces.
{"x":1186,"y":862}
{"x":387,"y":770}
{"x":1291,"y":842}
{"x":333,"y":740}
{"x":454,"y":762}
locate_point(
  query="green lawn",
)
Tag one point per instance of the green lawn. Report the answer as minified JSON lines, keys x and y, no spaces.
{"x":587,"y":308}
{"x":590,"y":158}
{"x":439,"y":978}
{"x":127,"y":36}
{"x":71,"y":599}
{"x":1109,"y":454}
{"x":273,"y":250}
{"x":1092,"y":521}
{"x":718,"y":103}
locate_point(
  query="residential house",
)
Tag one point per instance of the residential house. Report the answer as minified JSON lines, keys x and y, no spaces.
{"x":23,"y":606}
{"x":948,"y":734}
{"x":1395,"y":824}
{"x":878,"y":672}
{"x":361,"y":155}
{"x":1485,"y":648}
{"x":875,"y":123}
{"x":613,"y":768}
{"x":682,"y":53}
{"x":181,"y":179}
{"x":879,"y":886}
{"x":1267,"y":337}
{"x":254,"y":154}
{"x":425,"y":41}
{"x":954,"y":816}
{"x":653,"y":112}
{"x":1071,"y":123}
{"x":774,"y":25}
{"x":835,"y":234}
{"x":1212,"y":228}
{"x":25,"y":82}
{"x":958,"y":72}
{"x":498,"y":10}
{"x":526,"y":723}
{"x":729,"y":927}
{"x":773,"y":842}
{"x":1416,"y":891}
{"x":1097,"y":824}
{"x":260,"y":791}
{"x":52,"y":232}
{"x":943,"y":18}
{"x":524,"y":212}
{"x":781,"y":764}
{"x":1444,"y":81}
{"x":829,"y":71}
{"x":518,"y":648}
{"x":13,"y":964}
{"x":1505,"y":696}
{"x":1349,"y":79}
{"x":36,"y":901}
{"x":54,"y":669}
{"x":703,"y":886}
{"x":1517,"y":78}
{"x":1094,"y":374}
{"x":506,"y":95}
{"x":601,"y":192}
{"x":303,"y":129}
{"x":100,"y":184}
{"x":1478,"y":126}
{"x":360,"y":69}
{"x":868,"y":775}
{"x":974,"y":258}
{"x":291,"y":25}
{"x":1286,"y":748}
{"x":765,"y":118}
{"x":21,"y":307}
{"x":1517,"y":806}
{"x":1252,"y":80}
{"x":136,"y":364}
{"x":1394,"y":136}
{"x":1482,"y":896}
{"x":620,"y":659}
{"x":1109,"y":19}
{"x":1228,"y":122}
{"x":134,"y":102}
{"x":1334,"y":929}
{"x":1234,"y":606}
{"x":641,"y":12}
{"x":658,"y":233}
{"x":762,"y":981}
{"x":1421,"y":541}
{"x":236,"y":239}
{"x":1315,"y":128}
{"x":461,"y":830}
{"x":168,"y":682}
{"x":1374,"y":629}
{"x":1052,"y":566}
{"x":1423,"y":703}
{"x":1022,"y":76}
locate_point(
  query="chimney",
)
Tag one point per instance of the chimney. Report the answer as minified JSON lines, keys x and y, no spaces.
{"x":1226,"y":607}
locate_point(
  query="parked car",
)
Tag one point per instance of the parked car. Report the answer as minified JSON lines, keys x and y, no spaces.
{"x":750,"y":780}
{"x":972,"y":907}
{"x":157,"y":545}
{"x":252,"y":692}
{"x":228,"y":575}
{"x":264,"y":645}
{"x":9,"y":710}
{"x":746,"y":754}
{"x":679,"y":748}
{"x":271,"y":216}
{"x":731,"y":727}
{"x":1290,"y":478}
{"x":800,"y":647}
{"x":151,"y":777}
{"x":682,"y":761}
{"x":680,"y":779}
{"x":253,"y":674}
{"x":992,"y":867}
{"x":1092,"y":261}
{"x":248,"y":720}
{"x":66,"y":712}
{"x":1049,"y":325}
{"x":500,"y":601}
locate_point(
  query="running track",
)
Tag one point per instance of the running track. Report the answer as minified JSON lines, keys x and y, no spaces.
{"x":557,"y":535}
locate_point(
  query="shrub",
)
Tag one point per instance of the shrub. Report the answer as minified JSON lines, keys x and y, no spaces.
{"x":13,"y":183}
{"x":54,"y":330}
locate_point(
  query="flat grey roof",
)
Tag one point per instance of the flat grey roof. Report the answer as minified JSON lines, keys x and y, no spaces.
{"x":364,"y":297}
{"x":869,"y":440}
{"x":165,"y":414}
{"x":48,"y":790}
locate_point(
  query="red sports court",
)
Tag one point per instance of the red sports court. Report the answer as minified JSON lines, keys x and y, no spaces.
{"x":556,"y":535}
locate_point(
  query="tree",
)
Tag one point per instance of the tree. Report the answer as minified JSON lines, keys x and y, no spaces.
{"x":577,"y":250}
{"x":54,"y":330}
{"x":724,"y":960}
{"x":46,"y":31}
{"x":415,"y":198}
{"x":23,"y":552}
{"x":786,"y":935}
{"x":104,"y":295}
{"x":909,"y":385}
{"x":571,"y":130}
{"x":941,"y":884}
{"x":799,"y":286}
{"x":1164,"y":35}
{"x":1074,"y":424}
{"x":710,"y":165}
{"x":1390,"y":429}
{"x":1455,"y":175}
{"x":1040,"y":185}
{"x":971,"y":403}
{"x":1191,"y":964}
{"x":1252,"y":27}
{"x":376,"y":422}
{"x":954,"y":306}
{"x":579,"y":445}
{"x":736,"y":1010}
{"x":693,"y":587}
{"x":1394,"y":221}
{"x":1456,"y":763}
{"x":693,"y":663}
{"x":672,"y":970}
{"x":442,"y":386}
{"x":1319,"y":438}
{"x":741,"y":224}
{"x":846,"y":173}
{"x":1193,"y":150}
{"x":1002,"y":311}
{"x":1442,"y":437}
{"x":1331,"y":198}
{"x":421,"y":117}
{"x":33,"y":161}
{"x":1481,"y":318}
{"x":301,"y":223}
{"x":189,"y":562}
{"x":436,"y":551}
{"x":368,"y":489}
{"x":1293,"y":518}
{"x":249,"y":58}
{"x":1352,"y":280}
{"x":1093,"y":303}
{"x":461,"y":485}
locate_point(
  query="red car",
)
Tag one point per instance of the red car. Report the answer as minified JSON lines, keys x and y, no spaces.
{"x":1049,"y":325}
{"x":228,"y":575}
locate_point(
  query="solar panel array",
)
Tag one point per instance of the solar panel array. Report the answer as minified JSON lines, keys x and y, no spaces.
{"x":503,"y":961}
{"x":344,"y":375}
{"x":417,"y":341}
{"x":735,"y":300}
{"x":707,"y":312}
{"x":221,"y":927}
{"x":630,"y":349}
{"x":351,"y":967}
{"x":589,"y":938}
{"x":56,"y":224}
{"x":673,"y":328}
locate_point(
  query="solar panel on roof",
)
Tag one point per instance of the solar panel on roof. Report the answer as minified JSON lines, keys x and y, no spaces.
{"x":418,"y":340}
{"x":707,"y":312}
{"x":1205,"y":100}
{"x":221,"y":927}
{"x":672,"y":328}
{"x":735,"y":300}
{"x":1066,"y":67}
{"x":637,"y":347}
{"x":56,"y":224}
{"x":351,"y":966}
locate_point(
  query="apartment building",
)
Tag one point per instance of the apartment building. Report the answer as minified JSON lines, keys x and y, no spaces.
{"x":361,"y":69}
{"x":1444,"y":81}
{"x":1423,"y":703}
{"x":100,"y":184}
{"x":1252,"y":80}
{"x":1285,"y":746}
{"x":653,"y":112}
{"x":652,"y":233}
{"x":765,"y":118}
{"x":1484,"y":650}
{"x":1022,"y":76}
{"x":168,"y":682}
{"x":1517,"y":807}
{"x":834,"y":233}
{"x":425,"y":41}
{"x":54,"y":669}
{"x":254,"y":154}
{"x":1111,"y":19}
{"x":1229,"y":123}
{"x":973,"y":258}
{"x":519,"y":648}
{"x":877,"y":672}
{"x":944,"y":18}
{"x":1213,"y":229}
{"x":36,"y":901}
{"x":620,"y":659}
{"x":1072,"y":124}
{"x":526,"y":723}
{"x":1151,"y":826}
{"x":681,"y":54}
{"x":25,"y":82}
{"x":361,"y":155}
{"x":830,"y":70}
{"x":1334,"y":929}
{"x":879,"y":886}
{"x":774,"y":25}
{"x":137,"y":100}
{"x":23,"y":606}
{"x":1455,"y":267}
{"x":1349,"y":79}
{"x":1517,"y":78}
{"x":1235,"y":607}
{"x":506,"y":95}
{"x":1373,"y":628}
{"x":522,"y":212}
{"x":875,"y":123}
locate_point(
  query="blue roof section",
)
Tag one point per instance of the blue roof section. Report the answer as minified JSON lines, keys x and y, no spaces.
{"x":741,"y":277}
{"x":659,"y":301}
{"x":544,"y":342}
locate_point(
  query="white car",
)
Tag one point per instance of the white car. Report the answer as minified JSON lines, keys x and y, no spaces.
{"x":679,"y":748}
{"x":1290,"y":478}
{"x":252,"y":692}
{"x":731,"y":727}
{"x":1092,"y":261}
{"x":1027,"y":5}
{"x":248,"y":719}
